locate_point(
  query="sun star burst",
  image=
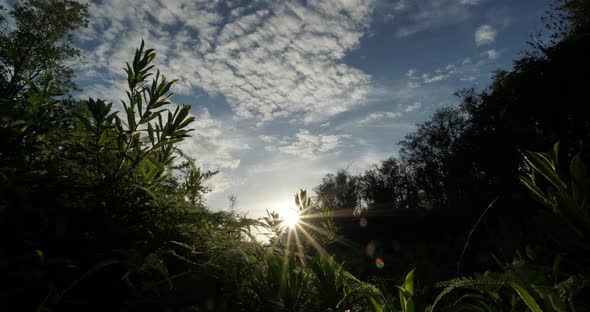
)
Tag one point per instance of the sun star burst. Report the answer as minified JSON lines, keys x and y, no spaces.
{"x":290,"y":217}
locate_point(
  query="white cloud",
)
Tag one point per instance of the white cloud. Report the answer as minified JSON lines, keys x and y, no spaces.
{"x":272,"y":60}
{"x":266,"y":138}
{"x":213,"y":143}
{"x":307,"y":145}
{"x":221,"y":182}
{"x":413,"y":107}
{"x":491,"y":54}
{"x":465,"y":69}
{"x":485,"y":34}
{"x":436,"y":78}
{"x":411,"y":73}
{"x":377,"y":116}
{"x":271,"y":184}
{"x":372,"y":117}
{"x":109,"y":92}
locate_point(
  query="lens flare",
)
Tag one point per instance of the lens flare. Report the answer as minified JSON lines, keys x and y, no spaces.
{"x":363,"y":222}
{"x":290,"y":217}
{"x":379,"y":263}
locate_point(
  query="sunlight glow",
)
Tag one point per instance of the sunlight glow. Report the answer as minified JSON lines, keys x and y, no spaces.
{"x":290,"y":217}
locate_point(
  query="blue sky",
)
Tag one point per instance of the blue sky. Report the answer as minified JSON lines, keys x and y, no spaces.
{"x":287,"y":91}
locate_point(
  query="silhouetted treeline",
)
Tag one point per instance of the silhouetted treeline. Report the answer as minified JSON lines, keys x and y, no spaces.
{"x":454,"y":165}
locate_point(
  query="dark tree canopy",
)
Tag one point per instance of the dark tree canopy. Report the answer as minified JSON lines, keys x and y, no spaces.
{"x":339,"y":191}
{"x":39,"y":41}
{"x":469,"y":155}
{"x":431,"y":150}
{"x":390,"y":187}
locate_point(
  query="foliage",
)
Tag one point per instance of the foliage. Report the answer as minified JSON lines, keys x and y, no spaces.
{"x":101,"y":203}
{"x":539,"y":287}
{"x":519,"y":286}
{"x":317,"y":228}
{"x":566,"y":195}
{"x":466,"y":155}
{"x":406,"y":294}
{"x":283,"y":287}
{"x":39,"y":41}
{"x":389,"y":187}
{"x":432,"y":151}
{"x":339,"y":191}
{"x":300,"y":275}
{"x":321,"y":286}
{"x":568,"y":19}
{"x":97,"y":203}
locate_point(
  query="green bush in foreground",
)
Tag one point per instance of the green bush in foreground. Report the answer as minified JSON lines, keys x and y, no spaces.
{"x":101,"y":210}
{"x":555,"y":280}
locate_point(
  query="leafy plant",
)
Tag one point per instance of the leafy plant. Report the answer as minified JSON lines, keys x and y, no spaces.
{"x":39,"y":41}
{"x":282,"y":286}
{"x":520,"y":285}
{"x":523,"y":284}
{"x":567,"y":195}
{"x":327,"y":281}
{"x":98,"y":203}
{"x":406,"y":297}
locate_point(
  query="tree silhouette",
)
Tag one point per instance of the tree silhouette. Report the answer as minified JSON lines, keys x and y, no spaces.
{"x":40,"y":41}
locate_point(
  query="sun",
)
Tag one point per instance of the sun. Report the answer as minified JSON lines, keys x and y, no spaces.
{"x":290,"y":217}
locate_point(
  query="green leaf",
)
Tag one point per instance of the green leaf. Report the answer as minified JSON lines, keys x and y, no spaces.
{"x":151,"y":133}
{"x":103,"y":138}
{"x":556,"y":153}
{"x":387,"y":296}
{"x":526,"y":297}
{"x":186,"y":122}
{"x":537,"y":194}
{"x":409,"y":282}
{"x":375,"y":305}
{"x":544,"y":166}
{"x":410,"y":306}
{"x":41,"y":255}
{"x":152,"y":173}
{"x":580,"y":182}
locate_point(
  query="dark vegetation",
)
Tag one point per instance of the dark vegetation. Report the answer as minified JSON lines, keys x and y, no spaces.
{"x":100,"y":211}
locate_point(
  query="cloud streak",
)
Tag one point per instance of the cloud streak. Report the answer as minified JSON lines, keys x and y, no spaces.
{"x":412,"y":17}
{"x":464,"y":69}
{"x":373,"y":117}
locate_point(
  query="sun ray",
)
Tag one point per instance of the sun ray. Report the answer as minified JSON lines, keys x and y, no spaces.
{"x":339,"y":239}
{"x":285,"y":263}
{"x":337,"y":213}
{"x":313,"y":242}
{"x":294,"y":221}
{"x":276,"y":242}
{"x":299,"y":248}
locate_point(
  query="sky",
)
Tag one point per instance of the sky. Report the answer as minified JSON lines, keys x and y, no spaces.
{"x":285,"y":92}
